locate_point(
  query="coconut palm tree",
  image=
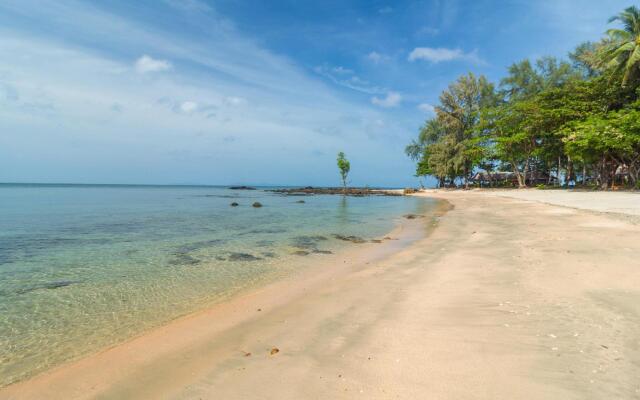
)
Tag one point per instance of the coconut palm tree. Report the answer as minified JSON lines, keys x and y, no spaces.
{"x":621,"y":49}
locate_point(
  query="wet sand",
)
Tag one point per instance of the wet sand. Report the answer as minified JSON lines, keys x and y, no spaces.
{"x":504,"y":299}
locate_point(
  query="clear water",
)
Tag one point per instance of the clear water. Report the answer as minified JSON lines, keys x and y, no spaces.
{"x":84,"y":267}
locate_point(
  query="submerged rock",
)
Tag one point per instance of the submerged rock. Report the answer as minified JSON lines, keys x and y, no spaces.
{"x":184,"y":259}
{"x":376,"y":241}
{"x":351,"y":238}
{"x":242,"y":257}
{"x":300,"y":253}
{"x":413,"y":216}
{"x":318,"y":251}
{"x":47,"y":286}
{"x":300,"y":201}
{"x":257,"y":204}
{"x":307,"y":242}
{"x":234,"y":204}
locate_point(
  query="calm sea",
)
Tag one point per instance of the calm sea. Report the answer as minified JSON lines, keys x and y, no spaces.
{"x":83,"y":267}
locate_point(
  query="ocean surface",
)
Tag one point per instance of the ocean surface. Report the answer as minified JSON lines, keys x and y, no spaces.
{"x":83,"y":267}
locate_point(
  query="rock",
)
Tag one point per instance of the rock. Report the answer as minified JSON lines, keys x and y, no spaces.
{"x":300,"y":253}
{"x":413,"y":216}
{"x":184,"y":259}
{"x":242,"y":188}
{"x":318,"y":251}
{"x":242,"y":257}
{"x":410,"y":191}
{"x":48,"y":286}
{"x":351,"y":238}
{"x":376,"y":241}
{"x":274,"y":351}
{"x":234,"y":204}
{"x":357,"y":192}
{"x":300,"y":201}
{"x":307,"y":242}
{"x":257,"y":204}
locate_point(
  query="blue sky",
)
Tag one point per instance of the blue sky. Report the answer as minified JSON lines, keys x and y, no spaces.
{"x":258,"y":92}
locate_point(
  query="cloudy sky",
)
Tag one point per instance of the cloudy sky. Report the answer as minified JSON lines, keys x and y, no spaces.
{"x":256,"y":92}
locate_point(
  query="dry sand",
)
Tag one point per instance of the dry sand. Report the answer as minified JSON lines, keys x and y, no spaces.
{"x":505,"y":299}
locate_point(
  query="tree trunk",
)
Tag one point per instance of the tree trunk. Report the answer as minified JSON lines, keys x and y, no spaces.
{"x":466,"y":177}
{"x":516,"y":171}
{"x":558,"y":172}
{"x":570,"y":172}
{"x":584,"y":174}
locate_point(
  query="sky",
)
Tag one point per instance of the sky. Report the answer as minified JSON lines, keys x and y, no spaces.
{"x":250,"y":92}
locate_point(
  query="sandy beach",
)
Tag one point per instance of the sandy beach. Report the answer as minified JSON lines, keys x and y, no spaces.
{"x":508,"y":295}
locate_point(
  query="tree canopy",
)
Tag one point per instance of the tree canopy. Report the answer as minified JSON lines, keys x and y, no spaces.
{"x":550,"y":121}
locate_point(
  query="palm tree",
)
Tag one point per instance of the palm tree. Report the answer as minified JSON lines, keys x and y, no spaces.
{"x":621,"y":49}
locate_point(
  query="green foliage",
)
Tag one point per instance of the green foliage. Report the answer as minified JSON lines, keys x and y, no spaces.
{"x":547,"y":119}
{"x":621,"y":51}
{"x":344,"y":166}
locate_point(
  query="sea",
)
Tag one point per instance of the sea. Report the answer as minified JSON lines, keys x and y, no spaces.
{"x":84,"y":267}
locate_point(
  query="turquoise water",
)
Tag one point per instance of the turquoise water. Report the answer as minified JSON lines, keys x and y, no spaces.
{"x":84,"y":267}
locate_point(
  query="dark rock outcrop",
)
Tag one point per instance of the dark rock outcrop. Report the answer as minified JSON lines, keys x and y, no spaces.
{"x":242,"y":188}
{"x":356,"y":192}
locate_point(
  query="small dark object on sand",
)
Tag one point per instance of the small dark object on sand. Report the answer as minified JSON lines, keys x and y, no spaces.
{"x":275,"y":350}
{"x":234,"y":204}
{"x":257,"y":204}
{"x":413,"y":216}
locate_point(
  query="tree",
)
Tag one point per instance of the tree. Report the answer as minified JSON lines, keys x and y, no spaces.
{"x":421,"y":150}
{"x":459,"y":115}
{"x":610,"y":141}
{"x":547,"y":116}
{"x":621,"y":51}
{"x":344,"y":166}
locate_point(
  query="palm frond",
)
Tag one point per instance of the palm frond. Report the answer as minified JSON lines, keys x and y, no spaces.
{"x":632,"y":63}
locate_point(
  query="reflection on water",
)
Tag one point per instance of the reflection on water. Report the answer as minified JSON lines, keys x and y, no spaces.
{"x":83,"y":267}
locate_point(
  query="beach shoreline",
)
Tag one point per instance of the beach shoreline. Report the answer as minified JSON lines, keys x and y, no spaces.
{"x":505,"y":298}
{"x":233,"y":309}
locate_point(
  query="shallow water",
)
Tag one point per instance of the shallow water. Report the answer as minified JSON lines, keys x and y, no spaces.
{"x":84,"y":267}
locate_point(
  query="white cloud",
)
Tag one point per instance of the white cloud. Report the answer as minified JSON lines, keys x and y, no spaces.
{"x":376,"y":57}
{"x":441,"y":54}
{"x":342,"y":70}
{"x":146,"y":64}
{"x":392,"y":99}
{"x":426,"y":107}
{"x":347,"y":78}
{"x":234,"y":101}
{"x":189,"y":107}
